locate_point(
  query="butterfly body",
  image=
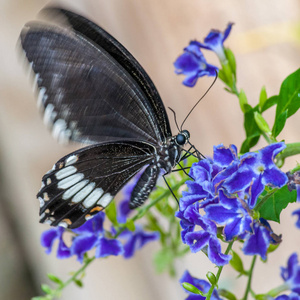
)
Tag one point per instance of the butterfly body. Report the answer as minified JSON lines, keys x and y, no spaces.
{"x":92,"y":90}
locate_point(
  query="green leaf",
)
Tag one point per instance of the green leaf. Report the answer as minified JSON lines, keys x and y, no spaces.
{"x":237,"y":263}
{"x":244,"y":102}
{"x":262,"y":97}
{"x":289,"y":95}
{"x":78,"y":283}
{"x":46,"y":289}
{"x":279,"y":123}
{"x":163,"y":259}
{"x":231,"y":60}
{"x":221,"y":75}
{"x":252,"y":130}
{"x":273,"y":204}
{"x":191,"y":288}
{"x":55,"y":279}
{"x":211,"y":278}
{"x":226,"y":294}
{"x":261,"y":122}
{"x":130,"y":225}
{"x":111,"y":213}
{"x":269,"y":103}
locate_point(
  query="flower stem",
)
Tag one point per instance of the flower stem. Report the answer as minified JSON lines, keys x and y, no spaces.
{"x":250,"y":278}
{"x":220,"y":268}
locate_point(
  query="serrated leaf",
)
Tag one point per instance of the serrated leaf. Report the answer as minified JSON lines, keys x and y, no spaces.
{"x":237,"y":263}
{"x":55,"y":279}
{"x":279,"y":123}
{"x":262,"y":97}
{"x":46,"y":289}
{"x":111,"y":213}
{"x":226,"y":294}
{"x":191,"y":288}
{"x":279,"y":200}
{"x":289,"y":95}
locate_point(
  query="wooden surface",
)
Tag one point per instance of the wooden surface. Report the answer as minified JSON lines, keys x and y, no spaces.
{"x":154,"y":31}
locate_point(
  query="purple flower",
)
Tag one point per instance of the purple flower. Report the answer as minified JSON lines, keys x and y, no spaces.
{"x":200,"y":284}
{"x":231,"y":213}
{"x":204,"y":239}
{"x":214,"y":41}
{"x":258,"y":241}
{"x":193,"y":65}
{"x":136,"y":240}
{"x":297,"y":213}
{"x":91,"y":235}
{"x":49,"y":236}
{"x":291,"y":274}
{"x":255,"y":171}
{"x":291,"y":296}
{"x":226,"y":188}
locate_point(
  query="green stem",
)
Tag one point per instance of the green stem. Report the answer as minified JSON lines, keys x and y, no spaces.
{"x":209,"y":294}
{"x":290,"y":150}
{"x":276,"y":291}
{"x":250,"y":278}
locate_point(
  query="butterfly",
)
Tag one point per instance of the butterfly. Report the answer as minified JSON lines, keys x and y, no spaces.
{"x":92,"y":90}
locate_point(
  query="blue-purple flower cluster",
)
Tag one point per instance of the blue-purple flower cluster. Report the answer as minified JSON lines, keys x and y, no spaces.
{"x":192,"y":62}
{"x":224,"y":193}
{"x":92,"y":235}
{"x":290,"y":275}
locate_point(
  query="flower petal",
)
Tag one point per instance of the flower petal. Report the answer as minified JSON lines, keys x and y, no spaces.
{"x":108,"y":247}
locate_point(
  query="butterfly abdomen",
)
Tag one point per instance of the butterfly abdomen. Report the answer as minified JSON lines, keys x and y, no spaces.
{"x":144,"y":186}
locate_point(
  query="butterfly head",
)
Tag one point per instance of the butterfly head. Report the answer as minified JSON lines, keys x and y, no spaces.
{"x":182,"y":138}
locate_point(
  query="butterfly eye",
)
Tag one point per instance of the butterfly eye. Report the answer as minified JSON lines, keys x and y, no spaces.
{"x":180,"y":139}
{"x":186,"y":134}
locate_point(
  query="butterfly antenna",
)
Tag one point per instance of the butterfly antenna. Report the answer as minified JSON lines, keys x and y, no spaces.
{"x":216,"y":77}
{"x":174,"y":117}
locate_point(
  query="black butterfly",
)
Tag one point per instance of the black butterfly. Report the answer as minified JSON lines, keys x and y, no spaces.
{"x":92,"y":90}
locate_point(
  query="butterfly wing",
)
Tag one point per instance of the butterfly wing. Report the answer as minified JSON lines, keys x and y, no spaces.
{"x":85,"y":181}
{"x":104,"y":40}
{"x":86,"y":94}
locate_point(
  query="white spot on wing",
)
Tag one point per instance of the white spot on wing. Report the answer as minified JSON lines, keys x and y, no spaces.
{"x":73,"y":190}
{"x":42,"y":201}
{"x":69,"y":181}
{"x":49,"y":115}
{"x":83,"y":193}
{"x":63,"y":224}
{"x":93,"y":198}
{"x":105,"y":200}
{"x":71,"y":160}
{"x":42,"y":97}
{"x":65,"y":172}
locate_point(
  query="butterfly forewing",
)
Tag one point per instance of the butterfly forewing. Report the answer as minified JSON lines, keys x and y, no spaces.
{"x":85,"y":181}
{"x":104,"y":40}
{"x":86,"y":94}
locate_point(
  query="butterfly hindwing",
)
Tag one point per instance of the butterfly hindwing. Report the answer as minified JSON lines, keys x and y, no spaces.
{"x":85,"y":181}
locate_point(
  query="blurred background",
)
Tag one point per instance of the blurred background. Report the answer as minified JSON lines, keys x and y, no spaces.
{"x":266,"y":42}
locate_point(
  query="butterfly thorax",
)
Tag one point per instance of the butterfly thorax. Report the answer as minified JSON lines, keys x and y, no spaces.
{"x":168,"y":156}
